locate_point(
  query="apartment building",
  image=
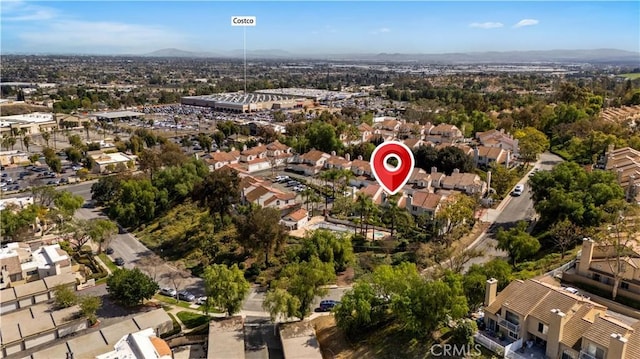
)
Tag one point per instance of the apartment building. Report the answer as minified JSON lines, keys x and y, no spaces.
{"x":596,"y":267}
{"x":541,"y":320}
{"x":19,"y":264}
{"x":625,"y":163}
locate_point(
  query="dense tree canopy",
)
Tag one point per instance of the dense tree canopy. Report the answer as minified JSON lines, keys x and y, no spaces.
{"x":225,"y":287}
{"x":131,"y":287}
{"x":570,"y":192}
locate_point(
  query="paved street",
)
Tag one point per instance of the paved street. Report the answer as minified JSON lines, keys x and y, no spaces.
{"x":515,"y":209}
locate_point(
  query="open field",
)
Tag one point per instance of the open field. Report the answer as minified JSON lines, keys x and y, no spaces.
{"x":631,"y":76}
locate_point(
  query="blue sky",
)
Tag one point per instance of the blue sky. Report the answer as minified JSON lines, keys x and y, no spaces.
{"x":314,"y":27}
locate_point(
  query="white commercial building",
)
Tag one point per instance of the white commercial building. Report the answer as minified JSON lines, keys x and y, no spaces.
{"x":139,"y":345}
{"x":33,"y":123}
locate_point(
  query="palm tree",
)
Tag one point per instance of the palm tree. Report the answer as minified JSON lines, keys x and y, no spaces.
{"x":176,"y":120}
{"x":392,"y":211}
{"x":46,"y":136}
{"x":314,"y":198}
{"x":26,"y":140}
{"x":307,"y":194}
{"x":23,"y":132}
{"x":87,"y":127}
{"x":364,"y":205}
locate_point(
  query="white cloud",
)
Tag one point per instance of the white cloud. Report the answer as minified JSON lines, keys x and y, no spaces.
{"x":486,"y":25}
{"x":21,"y":11}
{"x":382,"y":30}
{"x":526,"y":22}
{"x":103,"y":37}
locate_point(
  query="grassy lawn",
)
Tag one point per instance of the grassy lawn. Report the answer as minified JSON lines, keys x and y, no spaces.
{"x":105,"y":259}
{"x":631,"y":76}
{"x":173,"y":301}
{"x":192,"y":320}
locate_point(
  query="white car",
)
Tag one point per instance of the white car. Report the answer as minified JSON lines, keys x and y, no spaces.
{"x":201,"y":300}
{"x":170,"y":292}
{"x":518,"y":190}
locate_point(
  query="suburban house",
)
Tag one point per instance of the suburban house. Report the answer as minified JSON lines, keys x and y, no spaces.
{"x":261,"y":193}
{"x":337,"y":162}
{"x":108,"y":162}
{"x":141,"y":344}
{"x":310,"y":163}
{"x":278,"y":153}
{"x":485,"y":156}
{"x":366,"y":132}
{"x":444,"y":133}
{"x":360,"y":167}
{"x":424,"y":202}
{"x":253,"y":153}
{"x":498,"y":139}
{"x":296,"y":219}
{"x":380,"y":197}
{"x":547,"y":321}
{"x":469,"y":183}
{"x":414,"y":143}
{"x":217,"y":160}
{"x":420,"y":178}
{"x":19,"y":264}
{"x":597,"y":263}
{"x":625,"y":163}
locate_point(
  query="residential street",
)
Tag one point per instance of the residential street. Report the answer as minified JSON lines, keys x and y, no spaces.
{"x":512,"y":210}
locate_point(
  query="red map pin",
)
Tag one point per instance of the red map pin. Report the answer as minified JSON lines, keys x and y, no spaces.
{"x":391,"y":178}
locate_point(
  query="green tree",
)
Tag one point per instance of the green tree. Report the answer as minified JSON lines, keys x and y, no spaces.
{"x":102,"y":232}
{"x":89,"y":306}
{"x":218,"y":191}
{"x":26,"y":140}
{"x":107,"y":189}
{"x":531,"y":143}
{"x":565,"y":235}
{"x":455,"y":217}
{"x":502,"y":179}
{"x":518,"y":242}
{"x":76,"y":142}
{"x":451,"y":158}
{"x":475,"y":279}
{"x":68,"y":203}
{"x":303,"y":281}
{"x":570,"y":192}
{"x":261,"y":229}
{"x":34,"y":158}
{"x":322,"y":136}
{"x":329,"y":247}
{"x":179,"y":181}
{"x":361,"y":310}
{"x":225,"y":287}
{"x":130,"y":287}
{"x":64,"y":296}
{"x":138,"y":202}
{"x":46,"y":136}
{"x":280,"y":302}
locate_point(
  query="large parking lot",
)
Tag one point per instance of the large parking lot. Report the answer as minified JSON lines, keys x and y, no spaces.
{"x":17,"y":178}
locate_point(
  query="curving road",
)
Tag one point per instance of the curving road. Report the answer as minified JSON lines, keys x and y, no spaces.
{"x":511,"y":211}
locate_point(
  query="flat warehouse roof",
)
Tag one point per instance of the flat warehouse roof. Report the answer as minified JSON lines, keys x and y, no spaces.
{"x":240,"y":98}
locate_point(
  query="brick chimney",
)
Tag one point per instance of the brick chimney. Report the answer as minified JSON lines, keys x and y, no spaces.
{"x":491,"y":291}
{"x":617,"y":346}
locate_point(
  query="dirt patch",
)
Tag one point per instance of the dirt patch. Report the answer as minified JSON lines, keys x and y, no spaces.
{"x":345,"y":278}
{"x":468,"y":238}
{"x":333,"y":343}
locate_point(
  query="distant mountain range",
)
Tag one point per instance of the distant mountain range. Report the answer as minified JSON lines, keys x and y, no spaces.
{"x":562,"y":56}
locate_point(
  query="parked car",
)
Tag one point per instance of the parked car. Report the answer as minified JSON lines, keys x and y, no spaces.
{"x":185,"y":295}
{"x":119,"y":262}
{"x":328,"y":305}
{"x":170,"y":292}
{"x":109,"y":250}
{"x":201,"y":301}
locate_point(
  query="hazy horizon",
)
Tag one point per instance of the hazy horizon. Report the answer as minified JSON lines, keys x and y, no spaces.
{"x":318,"y":28}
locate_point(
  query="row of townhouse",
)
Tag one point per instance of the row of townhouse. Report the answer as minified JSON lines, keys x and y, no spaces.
{"x":249,"y":160}
{"x":543,"y":320}
{"x":22,"y":262}
{"x":392,"y":129}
